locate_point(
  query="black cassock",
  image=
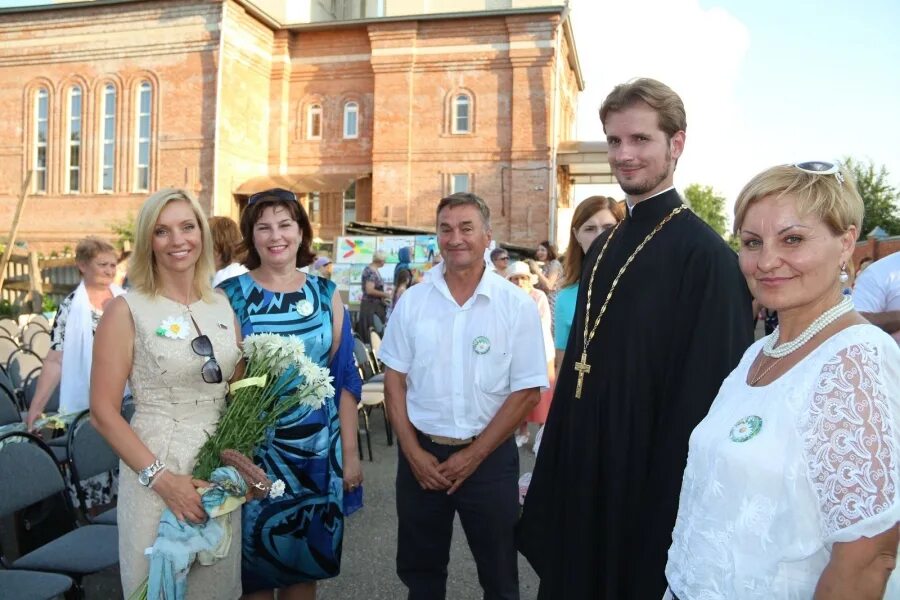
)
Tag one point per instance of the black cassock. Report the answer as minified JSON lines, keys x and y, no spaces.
{"x":598,"y":518}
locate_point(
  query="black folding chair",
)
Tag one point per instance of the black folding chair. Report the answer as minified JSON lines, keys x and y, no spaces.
{"x":89,"y":456}
{"x":32,"y":585}
{"x":28,"y":475}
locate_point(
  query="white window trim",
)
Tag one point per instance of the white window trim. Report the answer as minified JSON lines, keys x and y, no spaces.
{"x":108,"y":89}
{"x":454,"y":114}
{"x":453,"y":177}
{"x":70,"y":144}
{"x":351,"y":107}
{"x":37,"y":143}
{"x":139,"y":140}
{"x":313,"y":110}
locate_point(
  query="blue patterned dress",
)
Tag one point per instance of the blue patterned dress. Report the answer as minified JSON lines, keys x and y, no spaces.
{"x":297,"y":537}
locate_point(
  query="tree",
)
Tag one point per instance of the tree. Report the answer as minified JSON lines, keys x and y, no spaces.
{"x":707,"y":205}
{"x":881,"y":199}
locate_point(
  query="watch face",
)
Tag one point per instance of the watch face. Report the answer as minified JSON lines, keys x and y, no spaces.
{"x":143,"y":479}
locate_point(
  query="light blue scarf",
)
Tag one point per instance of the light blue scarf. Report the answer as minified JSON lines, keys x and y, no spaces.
{"x":178,"y":543}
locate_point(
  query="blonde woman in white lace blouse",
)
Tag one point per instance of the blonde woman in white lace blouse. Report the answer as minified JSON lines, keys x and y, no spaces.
{"x":792,"y":485}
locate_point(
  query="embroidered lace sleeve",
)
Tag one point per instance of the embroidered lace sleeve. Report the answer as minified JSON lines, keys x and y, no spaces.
{"x":851,"y":445}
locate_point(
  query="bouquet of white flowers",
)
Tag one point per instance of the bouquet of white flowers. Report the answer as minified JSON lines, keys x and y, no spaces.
{"x":279,"y":376}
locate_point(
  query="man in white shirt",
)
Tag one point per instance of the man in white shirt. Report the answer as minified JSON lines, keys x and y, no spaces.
{"x":465,"y":364}
{"x":877,"y":294}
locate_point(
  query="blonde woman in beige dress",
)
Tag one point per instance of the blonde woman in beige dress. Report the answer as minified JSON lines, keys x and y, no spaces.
{"x":154,"y":338}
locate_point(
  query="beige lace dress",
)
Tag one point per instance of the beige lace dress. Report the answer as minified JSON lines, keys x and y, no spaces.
{"x":174,"y":412}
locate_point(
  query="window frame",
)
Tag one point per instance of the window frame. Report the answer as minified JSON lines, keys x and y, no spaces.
{"x":40,"y":182}
{"x":74,"y":147}
{"x":453,"y":178}
{"x":107,"y":90}
{"x":455,"y":103}
{"x":314,"y":111}
{"x":351,"y":107}
{"x":143,"y":86}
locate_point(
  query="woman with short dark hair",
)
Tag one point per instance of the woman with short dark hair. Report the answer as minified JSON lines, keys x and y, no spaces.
{"x":293,"y":541}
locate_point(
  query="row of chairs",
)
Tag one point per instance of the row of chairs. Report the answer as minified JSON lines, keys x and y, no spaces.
{"x":30,"y":474}
{"x":22,"y":350}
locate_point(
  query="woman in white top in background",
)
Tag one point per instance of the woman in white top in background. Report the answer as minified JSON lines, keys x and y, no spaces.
{"x":68,"y":362}
{"x":792,"y":485}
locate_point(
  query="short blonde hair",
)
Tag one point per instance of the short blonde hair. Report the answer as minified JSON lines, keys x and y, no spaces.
{"x":142,"y":267}
{"x":90,"y":247}
{"x":836,"y":202}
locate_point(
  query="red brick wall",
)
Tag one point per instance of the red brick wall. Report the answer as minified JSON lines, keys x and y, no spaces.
{"x":875,"y":249}
{"x":220,"y":120}
{"x":172,"y":45}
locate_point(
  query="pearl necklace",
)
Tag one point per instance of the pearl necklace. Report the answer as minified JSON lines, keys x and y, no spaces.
{"x":825,"y":319}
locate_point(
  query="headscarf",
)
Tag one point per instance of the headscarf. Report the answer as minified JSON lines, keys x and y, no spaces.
{"x":404,"y":257}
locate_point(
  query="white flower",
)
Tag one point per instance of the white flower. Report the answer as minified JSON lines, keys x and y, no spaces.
{"x":277,"y":489}
{"x":174,"y":328}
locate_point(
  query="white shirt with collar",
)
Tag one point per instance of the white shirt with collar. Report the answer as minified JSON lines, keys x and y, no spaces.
{"x":462,"y":362}
{"x":877,"y":288}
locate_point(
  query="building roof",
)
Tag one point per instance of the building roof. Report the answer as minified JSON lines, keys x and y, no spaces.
{"x":585,"y":162}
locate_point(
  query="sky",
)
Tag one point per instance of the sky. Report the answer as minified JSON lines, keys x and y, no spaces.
{"x":764,"y":82}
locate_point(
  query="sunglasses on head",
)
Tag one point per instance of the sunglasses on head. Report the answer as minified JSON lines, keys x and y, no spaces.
{"x":202,"y":345}
{"x":276,"y":194}
{"x":821,"y":167}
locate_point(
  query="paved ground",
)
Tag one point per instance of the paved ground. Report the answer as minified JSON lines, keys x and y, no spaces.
{"x":370,"y":543}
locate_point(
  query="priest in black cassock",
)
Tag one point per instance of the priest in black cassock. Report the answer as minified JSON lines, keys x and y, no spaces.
{"x":663,"y":316}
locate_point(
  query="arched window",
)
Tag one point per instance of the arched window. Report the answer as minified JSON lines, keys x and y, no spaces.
{"x":351,"y":120}
{"x":108,"y":139}
{"x":314,"y":122}
{"x":144,"y":130}
{"x":73,"y":156}
{"x":462,"y":110}
{"x":41,"y":113}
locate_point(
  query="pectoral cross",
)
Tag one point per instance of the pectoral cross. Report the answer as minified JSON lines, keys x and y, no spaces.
{"x":583,"y":368}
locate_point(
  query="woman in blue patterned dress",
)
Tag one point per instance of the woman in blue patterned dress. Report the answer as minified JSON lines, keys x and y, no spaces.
{"x":293,"y":541}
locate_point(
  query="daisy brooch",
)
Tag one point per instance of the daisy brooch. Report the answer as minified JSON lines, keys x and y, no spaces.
{"x":174,"y":328}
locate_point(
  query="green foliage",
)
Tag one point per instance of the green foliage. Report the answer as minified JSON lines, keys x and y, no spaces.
{"x":707,"y":205}
{"x":124,"y":231}
{"x":8,"y":309}
{"x":881,"y":199}
{"x":48,"y":304}
{"x":734,"y":242}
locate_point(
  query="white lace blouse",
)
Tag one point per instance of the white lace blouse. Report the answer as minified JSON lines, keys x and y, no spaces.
{"x":776,"y":474}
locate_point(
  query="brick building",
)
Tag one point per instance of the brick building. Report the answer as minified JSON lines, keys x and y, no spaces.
{"x":372,"y":109}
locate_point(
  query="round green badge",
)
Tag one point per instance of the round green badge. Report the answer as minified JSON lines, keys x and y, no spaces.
{"x":746,"y":428}
{"x":481,"y":345}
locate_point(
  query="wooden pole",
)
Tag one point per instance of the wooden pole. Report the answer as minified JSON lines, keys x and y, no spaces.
{"x":11,"y":241}
{"x":35,"y":283}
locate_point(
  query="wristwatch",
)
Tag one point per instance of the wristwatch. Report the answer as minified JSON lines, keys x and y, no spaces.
{"x":146,"y":475}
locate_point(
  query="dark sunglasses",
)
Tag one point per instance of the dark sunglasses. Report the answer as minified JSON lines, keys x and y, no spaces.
{"x":277,"y":194}
{"x":821,"y":167}
{"x":210,"y":371}
{"x":502,"y":258}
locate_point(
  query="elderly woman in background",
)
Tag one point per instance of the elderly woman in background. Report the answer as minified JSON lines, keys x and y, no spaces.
{"x":792,"y":485}
{"x":226,"y":238}
{"x":374,"y":298}
{"x":68,"y":362}
{"x":592,"y":217}
{"x":519,"y":274}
